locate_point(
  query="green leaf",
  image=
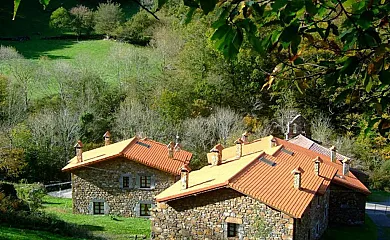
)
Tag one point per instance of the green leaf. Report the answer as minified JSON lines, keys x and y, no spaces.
{"x":349,"y":66}
{"x":310,"y":7}
{"x":384,"y":76}
{"x":298,"y":87}
{"x":343,"y":95}
{"x":16,"y":6}
{"x":44,"y":3}
{"x":160,"y":3}
{"x":222,"y":15}
{"x":371,"y":124}
{"x":278,"y":4}
{"x":370,"y":83}
{"x":189,"y":15}
{"x":208,"y":5}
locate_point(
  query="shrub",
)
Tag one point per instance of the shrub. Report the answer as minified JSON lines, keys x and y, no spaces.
{"x":81,"y":20}
{"x":138,"y":29}
{"x":108,"y":18}
{"x":32,"y":194}
{"x":60,"y":19}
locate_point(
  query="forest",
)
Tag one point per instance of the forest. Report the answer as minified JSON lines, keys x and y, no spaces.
{"x":127,"y":68}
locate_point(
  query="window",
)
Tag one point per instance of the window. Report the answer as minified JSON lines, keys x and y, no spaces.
{"x":126,"y":182}
{"x":295,"y":130}
{"x":98,"y":207}
{"x":232,"y":229}
{"x":145,"y":209}
{"x":145,"y":181}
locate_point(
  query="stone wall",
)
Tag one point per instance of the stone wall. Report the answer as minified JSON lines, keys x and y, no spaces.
{"x":101,"y":182}
{"x":346,"y":206}
{"x":204,"y":217}
{"x":315,"y":219}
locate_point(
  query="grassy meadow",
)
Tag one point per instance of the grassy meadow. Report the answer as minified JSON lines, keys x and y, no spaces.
{"x":110,"y":227}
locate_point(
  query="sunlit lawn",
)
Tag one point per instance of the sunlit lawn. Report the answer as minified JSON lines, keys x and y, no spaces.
{"x":112,"y":227}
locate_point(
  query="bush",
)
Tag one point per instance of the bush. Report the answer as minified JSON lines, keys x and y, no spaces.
{"x":138,"y":29}
{"x":60,"y":19}
{"x":32,"y":194}
{"x":108,"y":18}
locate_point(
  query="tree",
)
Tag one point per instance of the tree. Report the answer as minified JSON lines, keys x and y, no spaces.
{"x":81,"y":20}
{"x":108,"y":18}
{"x":138,"y":29}
{"x":60,"y":19}
{"x":350,"y":35}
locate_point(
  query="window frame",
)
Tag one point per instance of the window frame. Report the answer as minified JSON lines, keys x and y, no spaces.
{"x":232,"y":229}
{"x":147,"y":181}
{"x":100,"y":208}
{"x":122,"y":181}
{"x":145,"y":211}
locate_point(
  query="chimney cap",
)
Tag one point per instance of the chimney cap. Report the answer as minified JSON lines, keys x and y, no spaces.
{"x":333,"y":148}
{"x":107,"y":134}
{"x":239,"y":141}
{"x":297,"y":170}
{"x":185,"y":168}
{"x":346,"y":160}
{"x":79,"y":144}
{"x":217,"y":148}
{"x":317,"y":160}
{"x":170,"y":145}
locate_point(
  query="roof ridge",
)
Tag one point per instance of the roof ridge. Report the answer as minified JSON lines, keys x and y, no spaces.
{"x":128,"y":145}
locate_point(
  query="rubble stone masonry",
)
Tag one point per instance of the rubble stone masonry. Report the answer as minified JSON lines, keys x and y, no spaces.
{"x":101,"y":183}
{"x":346,"y":206}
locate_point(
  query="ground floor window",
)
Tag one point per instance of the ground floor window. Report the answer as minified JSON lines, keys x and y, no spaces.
{"x":145,"y":209}
{"x":98,"y":207}
{"x":232,"y":229}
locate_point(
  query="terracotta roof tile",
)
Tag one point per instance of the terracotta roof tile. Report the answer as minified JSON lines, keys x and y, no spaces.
{"x":263,"y":173}
{"x":350,"y":181}
{"x":145,"y":151}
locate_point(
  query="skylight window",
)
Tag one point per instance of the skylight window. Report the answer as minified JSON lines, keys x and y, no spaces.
{"x":287,"y":151}
{"x":267,"y":161}
{"x":143,"y":144}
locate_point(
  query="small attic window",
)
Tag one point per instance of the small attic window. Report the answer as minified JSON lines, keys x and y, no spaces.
{"x":143,"y":144}
{"x":267,"y":161}
{"x":287,"y":151}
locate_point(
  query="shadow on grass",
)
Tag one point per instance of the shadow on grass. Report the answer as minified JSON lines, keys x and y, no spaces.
{"x":34,"y":49}
{"x":92,"y":227}
{"x":51,"y":203}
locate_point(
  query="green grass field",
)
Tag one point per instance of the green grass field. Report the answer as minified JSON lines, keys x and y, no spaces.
{"x":378,"y":196}
{"x":7,"y":233}
{"x":365,"y":232}
{"x":104,"y":226}
{"x":33,"y":21}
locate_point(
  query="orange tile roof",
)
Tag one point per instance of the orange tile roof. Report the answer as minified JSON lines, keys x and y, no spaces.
{"x":350,"y":181}
{"x":145,"y":151}
{"x":269,"y":180}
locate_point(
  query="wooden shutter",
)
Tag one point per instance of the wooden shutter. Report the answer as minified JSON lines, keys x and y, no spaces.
{"x":90,"y":208}
{"x":137,"y":210}
{"x":137,"y":181}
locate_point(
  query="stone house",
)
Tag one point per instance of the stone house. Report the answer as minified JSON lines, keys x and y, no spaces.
{"x":297,"y":125}
{"x":347,"y":201}
{"x":123,"y":178}
{"x":269,"y":188}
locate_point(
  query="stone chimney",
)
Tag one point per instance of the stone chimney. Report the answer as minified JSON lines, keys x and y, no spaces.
{"x":107,"y":138}
{"x":346,"y":163}
{"x":79,"y":151}
{"x":184,"y":173}
{"x":317,"y":162}
{"x":297,"y":177}
{"x":273,"y":143}
{"x":238,"y":143}
{"x":333,"y":153}
{"x":170,"y":147}
{"x":244,"y":137}
{"x":217,"y":155}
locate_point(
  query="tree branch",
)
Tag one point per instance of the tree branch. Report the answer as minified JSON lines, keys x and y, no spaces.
{"x":146,"y":9}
